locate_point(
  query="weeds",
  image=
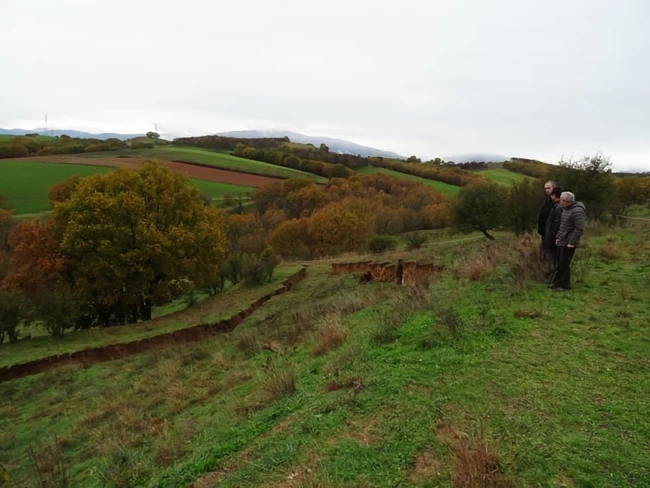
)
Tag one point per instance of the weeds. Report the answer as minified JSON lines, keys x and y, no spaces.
{"x":247,"y":341}
{"x":330,"y":335}
{"x":453,"y":322}
{"x":49,"y":465}
{"x":526,"y":264}
{"x":581,"y":264}
{"x":387,"y":331}
{"x":279,"y":380}
{"x":476,"y":465}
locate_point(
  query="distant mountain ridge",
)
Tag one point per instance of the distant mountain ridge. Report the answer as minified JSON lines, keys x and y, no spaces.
{"x":69,"y":132}
{"x":335,"y":145}
{"x":477,"y":157}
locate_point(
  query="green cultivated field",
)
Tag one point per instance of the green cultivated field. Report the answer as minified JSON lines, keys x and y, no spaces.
{"x":438,"y":185}
{"x":221,"y":160}
{"x":26,"y":183}
{"x":503,"y":176}
{"x":493,"y":382}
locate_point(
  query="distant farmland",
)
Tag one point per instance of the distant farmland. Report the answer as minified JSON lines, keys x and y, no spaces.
{"x":221,"y":160}
{"x":26,"y":183}
{"x":438,"y":185}
{"x":503,"y":176}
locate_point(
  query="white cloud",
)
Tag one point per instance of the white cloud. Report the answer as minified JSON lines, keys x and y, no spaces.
{"x":531,"y":78}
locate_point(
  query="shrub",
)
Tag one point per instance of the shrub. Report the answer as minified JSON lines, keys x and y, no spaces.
{"x":379,"y":244}
{"x":610,"y":251}
{"x":12,"y":312}
{"x":142,"y":145}
{"x":59,"y":310}
{"x":415,"y":240}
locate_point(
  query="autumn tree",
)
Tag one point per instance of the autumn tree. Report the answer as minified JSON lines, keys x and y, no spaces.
{"x":62,"y":191}
{"x":480,"y":207}
{"x":135,"y":238}
{"x":290,"y":239}
{"x":35,"y":262}
{"x":339,"y":227}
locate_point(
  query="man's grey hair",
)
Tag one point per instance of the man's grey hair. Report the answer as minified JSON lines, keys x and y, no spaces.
{"x":550,"y":182}
{"x":567,"y":196}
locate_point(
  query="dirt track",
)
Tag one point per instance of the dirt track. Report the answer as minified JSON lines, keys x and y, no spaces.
{"x":193,"y":170}
{"x":87,"y":357}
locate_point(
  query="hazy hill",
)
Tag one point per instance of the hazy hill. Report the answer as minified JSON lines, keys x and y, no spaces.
{"x":335,"y":145}
{"x":68,"y":132}
{"x":478,"y":157}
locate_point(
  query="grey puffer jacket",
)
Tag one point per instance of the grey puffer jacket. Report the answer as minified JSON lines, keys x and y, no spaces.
{"x":574,"y":219}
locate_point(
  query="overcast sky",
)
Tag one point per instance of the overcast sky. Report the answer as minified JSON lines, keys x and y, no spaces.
{"x":433,"y":78}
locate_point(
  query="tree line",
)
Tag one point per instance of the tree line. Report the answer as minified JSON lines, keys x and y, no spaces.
{"x":290,"y":161}
{"x":230,"y":143}
{"x":22,"y":147}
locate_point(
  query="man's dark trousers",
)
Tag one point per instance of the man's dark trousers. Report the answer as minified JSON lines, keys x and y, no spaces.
{"x":563,"y":272}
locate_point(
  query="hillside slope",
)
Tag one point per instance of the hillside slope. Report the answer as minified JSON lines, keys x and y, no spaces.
{"x":492,"y":382}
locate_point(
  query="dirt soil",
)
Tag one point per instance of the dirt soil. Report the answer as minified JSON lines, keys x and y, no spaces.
{"x":111,"y":352}
{"x":193,"y":170}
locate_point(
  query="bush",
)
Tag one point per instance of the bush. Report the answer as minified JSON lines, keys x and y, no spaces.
{"x":259,"y":269}
{"x":12,"y":312}
{"x":415,"y":240}
{"x":142,"y":145}
{"x":59,"y":310}
{"x":379,"y":244}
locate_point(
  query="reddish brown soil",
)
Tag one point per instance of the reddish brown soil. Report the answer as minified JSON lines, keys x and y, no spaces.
{"x":193,"y":170}
{"x":406,"y":274}
{"x":111,"y":352}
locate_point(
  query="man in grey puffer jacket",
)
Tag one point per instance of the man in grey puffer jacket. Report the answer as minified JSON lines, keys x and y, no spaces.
{"x":574,"y":219}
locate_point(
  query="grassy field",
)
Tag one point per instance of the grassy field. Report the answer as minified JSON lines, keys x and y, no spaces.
{"x":26,"y":183}
{"x":503,"y":176}
{"x":485,"y":379}
{"x":6,"y":137}
{"x":438,"y":185}
{"x":218,"y":159}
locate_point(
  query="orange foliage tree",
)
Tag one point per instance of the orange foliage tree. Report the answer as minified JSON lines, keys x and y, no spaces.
{"x":340,"y":227}
{"x":35,"y":262}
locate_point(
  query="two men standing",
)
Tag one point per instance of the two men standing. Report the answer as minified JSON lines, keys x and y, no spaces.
{"x":564,"y":223}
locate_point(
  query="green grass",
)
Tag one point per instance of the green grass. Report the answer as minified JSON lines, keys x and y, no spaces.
{"x":26,"y":183}
{"x":6,"y":137}
{"x":503,"y":176}
{"x":560,"y":399}
{"x":438,"y":185}
{"x":166,"y":319}
{"x":218,"y":159}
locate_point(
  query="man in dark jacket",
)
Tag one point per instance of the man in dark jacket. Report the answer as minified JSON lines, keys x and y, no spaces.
{"x":545,"y":212}
{"x":550,"y":234}
{"x":572,"y":226}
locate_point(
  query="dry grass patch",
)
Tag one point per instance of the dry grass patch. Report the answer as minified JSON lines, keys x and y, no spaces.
{"x":247,"y":341}
{"x":235,"y":378}
{"x":426,"y":467}
{"x":331,"y":334}
{"x":610,"y":251}
{"x":278,"y":381}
